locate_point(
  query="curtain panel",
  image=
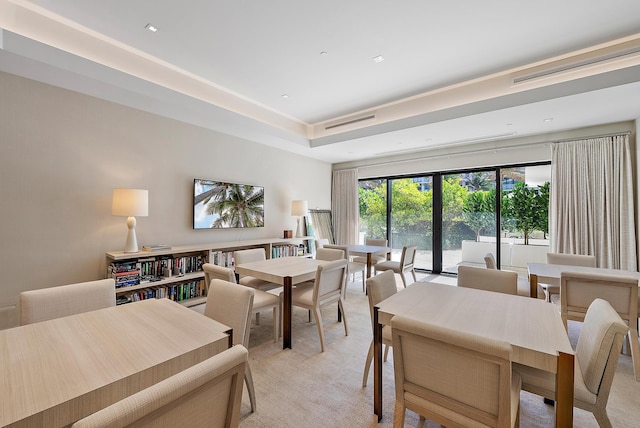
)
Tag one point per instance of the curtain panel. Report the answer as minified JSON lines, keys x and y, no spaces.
{"x":344,"y":206}
{"x":591,"y":202}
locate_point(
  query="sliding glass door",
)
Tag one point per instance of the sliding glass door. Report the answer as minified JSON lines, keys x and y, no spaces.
{"x":373,"y":209}
{"x":468,"y":218}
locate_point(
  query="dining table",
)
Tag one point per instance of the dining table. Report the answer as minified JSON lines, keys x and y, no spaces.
{"x":368,"y":251}
{"x":287,"y":272}
{"x":533,"y":327}
{"x":55,"y":372}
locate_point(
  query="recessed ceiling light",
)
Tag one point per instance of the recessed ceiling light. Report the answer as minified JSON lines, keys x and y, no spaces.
{"x":378,"y":58}
{"x":151,"y":27}
{"x":324,"y":53}
{"x":549,"y":119}
{"x":285,"y":95}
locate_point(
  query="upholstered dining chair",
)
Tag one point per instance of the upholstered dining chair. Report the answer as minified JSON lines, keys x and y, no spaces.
{"x":375,"y":259}
{"x":320,"y":243}
{"x":379,"y":287}
{"x":327,"y":289}
{"x":204,"y":395}
{"x":524,"y":288}
{"x":452,"y":377}
{"x":407,"y":259}
{"x":252,"y":255}
{"x":578,"y":290}
{"x":565,"y":259}
{"x":231,"y":304}
{"x":596,"y":358}
{"x":56,"y":302}
{"x":262,"y":300}
{"x":353,"y":267}
{"x":500,"y":281}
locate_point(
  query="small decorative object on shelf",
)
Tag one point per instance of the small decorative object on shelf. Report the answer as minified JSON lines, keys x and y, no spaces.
{"x":288,"y":234}
{"x":155,"y":247}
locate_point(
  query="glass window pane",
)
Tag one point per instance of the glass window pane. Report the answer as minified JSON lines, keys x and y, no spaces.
{"x":468,"y":218}
{"x":373,"y":209}
{"x":412,"y":218}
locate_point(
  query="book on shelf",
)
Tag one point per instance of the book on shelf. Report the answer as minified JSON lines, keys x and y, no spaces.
{"x":155,"y":247}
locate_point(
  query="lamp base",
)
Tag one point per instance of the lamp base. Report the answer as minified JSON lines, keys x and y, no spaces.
{"x":131,"y":246}
{"x":299,"y":233}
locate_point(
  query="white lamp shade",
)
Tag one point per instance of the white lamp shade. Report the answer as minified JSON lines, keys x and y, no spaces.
{"x":298,"y":208}
{"x":130,"y":202}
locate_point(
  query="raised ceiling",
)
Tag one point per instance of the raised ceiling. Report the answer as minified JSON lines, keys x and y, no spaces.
{"x":453,"y":72}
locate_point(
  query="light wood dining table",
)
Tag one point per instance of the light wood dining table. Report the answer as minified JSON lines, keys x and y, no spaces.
{"x":368,"y":251}
{"x":285,"y":271}
{"x":56,"y":372}
{"x":532,"y":327}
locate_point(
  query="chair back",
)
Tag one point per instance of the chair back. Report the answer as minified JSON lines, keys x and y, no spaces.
{"x":331,"y":254}
{"x":408,"y":257}
{"x":599,"y":345}
{"x":380,"y":287}
{"x":320,"y":243}
{"x":230,"y":304}
{"x":56,"y":302}
{"x":500,"y":281}
{"x":571,"y":259}
{"x":451,"y":377}
{"x":579,"y":290}
{"x":250,"y":255}
{"x":376,"y":242}
{"x":490,"y":261}
{"x":207,"y":394}
{"x":212,"y":271}
{"x":330,"y":279}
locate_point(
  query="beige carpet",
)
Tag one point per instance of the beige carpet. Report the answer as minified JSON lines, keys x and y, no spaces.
{"x":303,"y":387}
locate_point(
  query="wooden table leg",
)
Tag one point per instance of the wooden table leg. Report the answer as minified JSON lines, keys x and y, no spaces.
{"x":533,"y":285}
{"x":286,"y":316}
{"x":377,"y":365}
{"x":369,"y":263}
{"x":564,"y":390}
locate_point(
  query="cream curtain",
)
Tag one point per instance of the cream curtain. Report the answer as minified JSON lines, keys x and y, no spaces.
{"x":591,"y":201}
{"x":344,"y":206}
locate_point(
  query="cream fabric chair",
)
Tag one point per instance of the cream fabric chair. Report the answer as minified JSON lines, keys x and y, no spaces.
{"x":565,"y":259}
{"x":490,"y":261}
{"x":231,"y":304}
{"x":207,"y":394}
{"x":524,"y":288}
{"x":375,"y":259}
{"x":403,"y":266}
{"x":354,"y":267}
{"x":320,"y":243}
{"x":252,"y":255}
{"x":579,"y":290}
{"x":596,"y":359}
{"x":500,"y":281}
{"x":56,"y":302}
{"x":451,"y":377}
{"x":261,"y":299}
{"x":379,"y":287}
{"x":327,"y":288}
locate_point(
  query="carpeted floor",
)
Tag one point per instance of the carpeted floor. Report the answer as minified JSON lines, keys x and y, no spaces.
{"x":303,"y":387}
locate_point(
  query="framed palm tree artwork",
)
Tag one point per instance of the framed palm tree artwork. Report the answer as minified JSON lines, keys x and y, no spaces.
{"x":219,"y":205}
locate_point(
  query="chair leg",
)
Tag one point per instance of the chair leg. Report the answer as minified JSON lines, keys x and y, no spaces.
{"x":404,"y":280}
{"x":635,"y":350}
{"x":276,"y":323}
{"x":386,"y":353}
{"x":344,"y":317}
{"x":257,"y":318}
{"x":413,"y":272}
{"x":367,"y":365}
{"x":249,"y":381}
{"x":602,"y":418}
{"x":318,"y":317}
{"x":398,"y":415}
{"x":363,"y":281}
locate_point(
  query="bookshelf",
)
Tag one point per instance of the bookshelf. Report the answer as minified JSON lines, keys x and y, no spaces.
{"x":176,"y":272}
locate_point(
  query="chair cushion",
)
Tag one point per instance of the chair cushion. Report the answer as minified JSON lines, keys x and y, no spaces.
{"x":262,"y":299}
{"x":252,"y":282}
{"x":388,"y":265}
{"x":374,"y":259}
{"x":303,"y":293}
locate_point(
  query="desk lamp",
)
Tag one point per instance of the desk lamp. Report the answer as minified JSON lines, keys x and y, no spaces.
{"x":130,"y":203}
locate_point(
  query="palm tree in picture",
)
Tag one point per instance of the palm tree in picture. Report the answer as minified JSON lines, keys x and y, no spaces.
{"x":239,"y":206}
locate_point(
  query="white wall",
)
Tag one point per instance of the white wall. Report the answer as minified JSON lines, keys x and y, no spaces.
{"x":62,"y":153}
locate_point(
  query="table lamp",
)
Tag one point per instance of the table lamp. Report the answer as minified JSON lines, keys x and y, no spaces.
{"x":299,"y":209}
{"x":130,"y":203}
